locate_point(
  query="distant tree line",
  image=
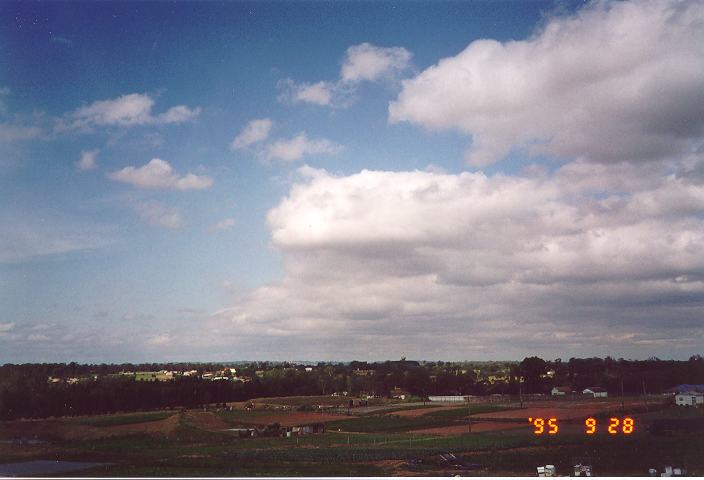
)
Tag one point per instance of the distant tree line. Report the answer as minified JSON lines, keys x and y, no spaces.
{"x":26,"y":392}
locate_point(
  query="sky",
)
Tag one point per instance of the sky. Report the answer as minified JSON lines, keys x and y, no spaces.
{"x":220,"y":181}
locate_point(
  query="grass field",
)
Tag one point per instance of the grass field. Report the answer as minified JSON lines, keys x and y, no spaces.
{"x":126,"y":419}
{"x":196,"y":444}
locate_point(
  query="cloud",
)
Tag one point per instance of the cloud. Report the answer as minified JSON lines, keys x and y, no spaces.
{"x":255,"y":132}
{"x":366,"y":62}
{"x":617,"y":81}
{"x":179,"y":114}
{"x":6,"y":327}
{"x":61,"y":40}
{"x":159,"y":174}
{"x":320,"y":93}
{"x":11,"y":133}
{"x":87,"y":160}
{"x":297,"y":147}
{"x":157,"y":215}
{"x":480,"y":264}
{"x":363,"y":62}
{"x":39,"y":234}
{"x":160,"y":340}
{"x":224,"y":224}
{"x":125,"y":111}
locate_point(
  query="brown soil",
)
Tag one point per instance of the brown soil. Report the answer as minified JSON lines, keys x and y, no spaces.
{"x":206,"y":420}
{"x":165,"y":426}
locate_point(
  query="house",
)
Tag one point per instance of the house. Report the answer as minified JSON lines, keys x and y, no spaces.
{"x":595,"y":392}
{"x":561,"y":391}
{"x":689,"y":399}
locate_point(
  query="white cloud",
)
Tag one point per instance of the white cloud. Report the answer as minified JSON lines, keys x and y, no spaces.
{"x":179,"y":114}
{"x":297,"y":147}
{"x":87,"y":160}
{"x":320,"y":93}
{"x":11,"y":133}
{"x":160,"y":340}
{"x":481,"y":264}
{"x":366,"y":62}
{"x":363,"y":62}
{"x":158,"y":215}
{"x":127,"y":110}
{"x":6,"y":327}
{"x":617,"y":81}
{"x":159,"y":174}
{"x":224,"y":224}
{"x":40,"y":233}
{"x":256,"y":131}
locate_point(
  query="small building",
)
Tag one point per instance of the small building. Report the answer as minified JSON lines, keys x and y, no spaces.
{"x":449,"y":398}
{"x":596,"y":392}
{"x":399,"y":393}
{"x":689,"y":399}
{"x":561,"y":391}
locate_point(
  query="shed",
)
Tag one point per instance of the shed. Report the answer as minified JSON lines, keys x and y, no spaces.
{"x":689,"y":399}
{"x":561,"y":390}
{"x":595,"y":392}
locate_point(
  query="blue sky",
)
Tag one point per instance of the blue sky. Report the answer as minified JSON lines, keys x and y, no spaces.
{"x":216,"y":252}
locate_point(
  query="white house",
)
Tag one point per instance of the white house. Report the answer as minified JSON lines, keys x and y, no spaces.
{"x":689,"y":399}
{"x":561,"y":390}
{"x":595,"y":392}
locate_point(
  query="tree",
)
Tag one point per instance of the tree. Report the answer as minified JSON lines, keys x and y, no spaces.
{"x":532,"y":369}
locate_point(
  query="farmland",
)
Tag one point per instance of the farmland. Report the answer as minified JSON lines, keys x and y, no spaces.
{"x":200,"y":442}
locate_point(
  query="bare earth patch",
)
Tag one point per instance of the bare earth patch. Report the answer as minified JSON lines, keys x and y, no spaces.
{"x":206,"y":420}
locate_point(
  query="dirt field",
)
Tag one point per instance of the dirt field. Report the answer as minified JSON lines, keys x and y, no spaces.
{"x":206,"y":420}
{"x":476,"y":428}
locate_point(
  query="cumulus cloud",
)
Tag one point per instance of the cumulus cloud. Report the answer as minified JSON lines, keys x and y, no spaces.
{"x":256,"y":131}
{"x":87,"y":160}
{"x":320,"y":93}
{"x":158,"y":215}
{"x":125,"y":111}
{"x":366,"y":62}
{"x":617,"y":81}
{"x":297,"y":147}
{"x":159,"y":174}
{"x":224,"y":224}
{"x":487,"y":266}
{"x":363,"y":62}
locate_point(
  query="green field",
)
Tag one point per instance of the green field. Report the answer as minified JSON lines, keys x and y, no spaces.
{"x":366,"y":446}
{"x":126,"y":419}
